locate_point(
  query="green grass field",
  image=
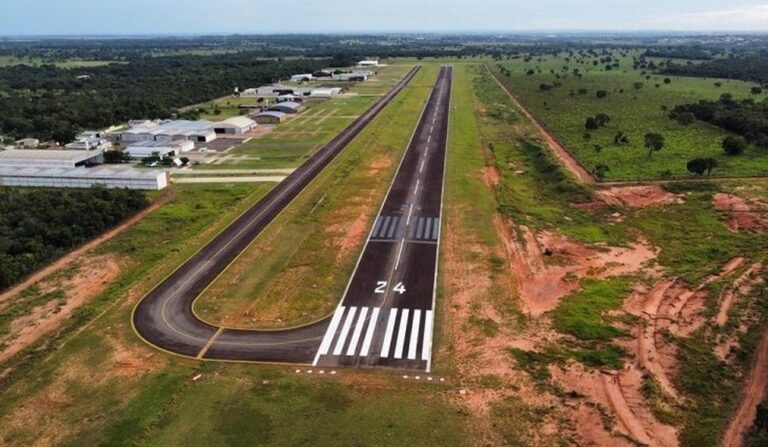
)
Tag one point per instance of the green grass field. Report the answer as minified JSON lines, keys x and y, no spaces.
{"x":635,"y":112}
{"x":7,"y":61}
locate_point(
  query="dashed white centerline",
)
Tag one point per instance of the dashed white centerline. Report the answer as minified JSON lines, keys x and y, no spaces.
{"x":421,"y":168}
{"x":399,"y":253}
{"x":417,"y":185}
{"x":410,"y":210}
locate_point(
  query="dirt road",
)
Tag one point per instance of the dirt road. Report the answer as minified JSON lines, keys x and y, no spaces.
{"x":754,"y":392}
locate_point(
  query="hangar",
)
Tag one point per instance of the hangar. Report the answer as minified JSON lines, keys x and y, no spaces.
{"x":288,"y":107}
{"x":270,"y":117}
{"x":137,"y":151}
{"x":49,"y":158}
{"x":235,"y":126}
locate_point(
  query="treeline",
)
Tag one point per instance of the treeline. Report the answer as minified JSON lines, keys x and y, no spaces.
{"x":39,"y":225}
{"x":48,"y":102}
{"x":746,"y":117}
{"x":753,"y":67}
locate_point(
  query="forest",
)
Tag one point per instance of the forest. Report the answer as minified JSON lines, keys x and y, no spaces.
{"x":39,"y":225}
{"x":749,"y":67}
{"x":747,"y":118}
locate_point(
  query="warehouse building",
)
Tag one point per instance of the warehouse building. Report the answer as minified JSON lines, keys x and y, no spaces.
{"x":304,"y":77}
{"x":288,"y":107}
{"x":325,"y":92}
{"x":368,"y":63}
{"x":49,"y":158}
{"x":270,"y":117}
{"x":81,"y":177}
{"x":197,"y":131}
{"x":140,"y":150}
{"x":237,"y":125}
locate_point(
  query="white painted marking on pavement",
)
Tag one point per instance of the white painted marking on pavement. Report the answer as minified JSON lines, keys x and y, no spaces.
{"x":399,"y":253}
{"x":401,"y":334}
{"x":358,"y":330}
{"x":426,"y":347}
{"x":330,"y":332}
{"x":369,"y":332}
{"x":414,"y":340}
{"x":344,"y":331}
{"x":417,"y":185}
{"x":410,"y":211}
{"x":422,"y":166}
{"x":388,"y":333}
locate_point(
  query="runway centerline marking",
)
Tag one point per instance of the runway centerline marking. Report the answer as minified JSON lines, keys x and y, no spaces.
{"x":399,"y":253}
{"x":410,"y":211}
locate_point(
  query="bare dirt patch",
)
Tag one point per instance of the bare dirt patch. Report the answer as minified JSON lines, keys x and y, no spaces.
{"x":547,"y":266}
{"x":91,"y":278}
{"x":637,"y":196}
{"x":740,"y":287}
{"x":491,"y":176}
{"x":747,"y":215}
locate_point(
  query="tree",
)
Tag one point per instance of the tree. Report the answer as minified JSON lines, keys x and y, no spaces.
{"x":591,"y":124}
{"x":115,"y":156}
{"x":734,"y":145}
{"x":653,"y":142}
{"x":602,"y":119}
{"x":667,"y":80}
{"x":600,"y":170}
{"x":620,"y":139}
{"x":699,"y":166}
{"x":756,"y":90}
{"x":601,"y":94}
{"x":685,"y":118}
{"x":637,"y":85}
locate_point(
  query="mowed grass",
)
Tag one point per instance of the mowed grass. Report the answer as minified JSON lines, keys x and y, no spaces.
{"x":296,"y":270}
{"x":291,"y":143}
{"x":563,"y":110}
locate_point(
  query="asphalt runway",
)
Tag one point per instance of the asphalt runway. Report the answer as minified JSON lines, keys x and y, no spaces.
{"x":386,"y":317}
{"x":164,"y":317}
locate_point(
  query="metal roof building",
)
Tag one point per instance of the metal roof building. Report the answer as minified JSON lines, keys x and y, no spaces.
{"x":325,"y":92}
{"x":200,"y":131}
{"x":49,"y":158}
{"x":140,"y":150}
{"x":270,"y":117}
{"x":289,"y":107}
{"x":236,"y":125}
{"x":110,"y":177}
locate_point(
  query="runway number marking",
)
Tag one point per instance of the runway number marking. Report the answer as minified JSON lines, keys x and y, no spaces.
{"x":382,"y":285}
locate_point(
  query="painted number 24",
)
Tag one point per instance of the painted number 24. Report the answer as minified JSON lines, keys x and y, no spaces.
{"x":381,"y":287}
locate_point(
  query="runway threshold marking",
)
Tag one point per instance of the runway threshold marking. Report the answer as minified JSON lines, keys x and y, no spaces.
{"x":345,"y":331}
{"x":369,"y":332}
{"x":325,"y":345}
{"x":388,"y":333}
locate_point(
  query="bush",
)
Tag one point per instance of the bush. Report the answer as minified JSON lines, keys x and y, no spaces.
{"x":601,"y":94}
{"x":734,"y":145}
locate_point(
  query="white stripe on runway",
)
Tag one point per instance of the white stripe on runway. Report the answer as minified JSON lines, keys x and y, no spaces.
{"x":426,"y":347}
{"x":344,"y":331}
{"x":388,"y":333}
{"x":369,"y":332}
{"x":356,"y":333}
{"x":401,"y":334}
{"x":414,"y":340}
{"x":331,"y":331}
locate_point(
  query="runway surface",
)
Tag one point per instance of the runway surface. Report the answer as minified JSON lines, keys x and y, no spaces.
{"x":386,"y":317}
{"x":164,"y":317}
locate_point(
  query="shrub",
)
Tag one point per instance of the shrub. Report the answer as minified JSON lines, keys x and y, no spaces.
{"x":734,"y":145}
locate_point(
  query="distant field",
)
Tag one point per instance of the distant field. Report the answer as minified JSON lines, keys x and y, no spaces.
{"x":633,"y":111}
{"x":7,"y":61}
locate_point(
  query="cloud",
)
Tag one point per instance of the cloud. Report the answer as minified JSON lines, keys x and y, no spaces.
{"x":745,"y":18}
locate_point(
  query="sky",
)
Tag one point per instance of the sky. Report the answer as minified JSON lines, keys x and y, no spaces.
{"x":125,"y":17}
